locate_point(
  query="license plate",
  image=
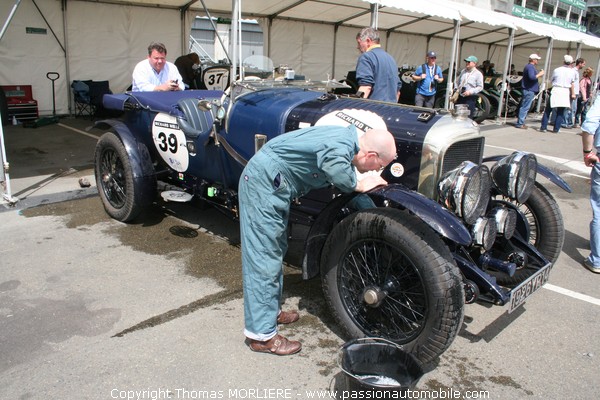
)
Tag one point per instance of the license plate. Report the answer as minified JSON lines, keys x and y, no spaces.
{"x":519,"y":294}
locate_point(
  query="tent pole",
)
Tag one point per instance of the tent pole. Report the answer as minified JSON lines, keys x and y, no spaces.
{"x":183,"y":46}
{"x":4,"y":176}
{"x":67,"y":56}
{"x":546,"y":69}
{"x":239,"y":38}
{"x":10,"y":17}
{"x":594,"y":78}
{"x":374,"y":15}
{"x":215,"y":29}
{"x":507,"y":61}
{"x":454,"y":53}
{"x":335,"y":34}
{"x":234,"y":38}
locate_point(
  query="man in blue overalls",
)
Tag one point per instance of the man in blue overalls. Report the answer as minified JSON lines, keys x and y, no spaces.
{"x":287,"y":167}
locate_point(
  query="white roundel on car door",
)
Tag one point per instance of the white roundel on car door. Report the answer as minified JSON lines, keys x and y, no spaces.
{"x":363,"y":120}
{"x":170,"y":142}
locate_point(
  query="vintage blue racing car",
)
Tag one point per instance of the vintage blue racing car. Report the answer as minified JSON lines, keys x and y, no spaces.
{"x":451,"y":228}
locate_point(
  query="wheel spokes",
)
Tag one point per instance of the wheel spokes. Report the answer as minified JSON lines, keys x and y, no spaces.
{"x":393,"y":281}
{"x":112,"y":178}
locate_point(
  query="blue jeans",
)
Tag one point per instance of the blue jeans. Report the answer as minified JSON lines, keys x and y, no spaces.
{"x":581,"y":110}
{"x":526,"y":101}
{"x":559,"y":113}
{"x":570,"y":113}
{"x":594,"y":257}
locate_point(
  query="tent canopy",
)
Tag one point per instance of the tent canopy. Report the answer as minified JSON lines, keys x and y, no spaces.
{"x":103,"y":39}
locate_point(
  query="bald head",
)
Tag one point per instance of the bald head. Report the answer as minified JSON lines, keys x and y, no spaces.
{"x":381,"y":142}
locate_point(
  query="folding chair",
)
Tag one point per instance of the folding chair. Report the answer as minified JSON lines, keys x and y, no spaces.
{"x":81,"y":95}
{"x":97,"y":90}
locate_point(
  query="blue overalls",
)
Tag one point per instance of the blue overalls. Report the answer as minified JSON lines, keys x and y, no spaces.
{"x":287,"y":167}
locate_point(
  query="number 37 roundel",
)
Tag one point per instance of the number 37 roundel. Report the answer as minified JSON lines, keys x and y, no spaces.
{"x":216,"y":78}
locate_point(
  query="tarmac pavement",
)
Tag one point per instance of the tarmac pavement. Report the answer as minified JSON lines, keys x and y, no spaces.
{"x":91,"y":308}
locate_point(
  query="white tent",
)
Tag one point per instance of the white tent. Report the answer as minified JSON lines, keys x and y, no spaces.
{"x":103,"y":39}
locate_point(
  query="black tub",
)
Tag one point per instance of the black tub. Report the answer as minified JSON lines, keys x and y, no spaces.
{"x":378,"y":365}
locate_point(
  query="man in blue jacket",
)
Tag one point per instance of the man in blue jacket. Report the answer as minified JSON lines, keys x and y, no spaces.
{"x":288,"y":167}
{"x":427,"y":77}
{"x":530,"y":87}
{"x":376,"y":70}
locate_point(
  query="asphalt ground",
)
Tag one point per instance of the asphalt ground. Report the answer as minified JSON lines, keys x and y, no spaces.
{"x":91,"y":308}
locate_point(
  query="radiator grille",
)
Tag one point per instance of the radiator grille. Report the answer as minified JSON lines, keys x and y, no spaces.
{"x":471,"y":150}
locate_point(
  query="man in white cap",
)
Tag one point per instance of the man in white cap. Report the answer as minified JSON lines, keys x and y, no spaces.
{"x":427,"y":77}
{"x":530,"y":87}
{"x":563,"y":91}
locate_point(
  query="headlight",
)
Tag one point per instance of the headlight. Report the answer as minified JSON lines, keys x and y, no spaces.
{"x":466,"y":190}
{"x":514,"y":176}
{"x":506,"y":221}
{"x":484,"y":232}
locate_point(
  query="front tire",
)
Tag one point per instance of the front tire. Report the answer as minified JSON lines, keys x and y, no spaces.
{"x":386,"y":274}
{"x":114,"y":179}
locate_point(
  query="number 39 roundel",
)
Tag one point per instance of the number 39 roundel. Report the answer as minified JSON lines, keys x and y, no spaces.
{"x":170,"y":142}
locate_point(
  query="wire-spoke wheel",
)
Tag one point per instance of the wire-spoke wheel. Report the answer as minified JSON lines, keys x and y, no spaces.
{"x":386,"y":274}
{"x":114,"y":179}
{"x":382,"y":290}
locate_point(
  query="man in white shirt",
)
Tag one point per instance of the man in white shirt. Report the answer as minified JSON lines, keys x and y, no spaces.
{"x":156,"y":73}
{"x":570,"y":112}
{"x":561,"y":96}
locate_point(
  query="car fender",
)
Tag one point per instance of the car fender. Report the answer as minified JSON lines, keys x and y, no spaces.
{"x":542,"y":170}
{"x":144,"y":178}
{"x":440,"y":219}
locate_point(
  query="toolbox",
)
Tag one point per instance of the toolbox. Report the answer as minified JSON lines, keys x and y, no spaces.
{"x":20,"y":103}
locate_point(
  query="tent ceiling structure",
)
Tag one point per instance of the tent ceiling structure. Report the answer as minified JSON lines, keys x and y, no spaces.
{"x":481,"y":32}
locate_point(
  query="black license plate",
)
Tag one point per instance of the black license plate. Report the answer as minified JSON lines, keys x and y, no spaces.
{"x":519,"y":294}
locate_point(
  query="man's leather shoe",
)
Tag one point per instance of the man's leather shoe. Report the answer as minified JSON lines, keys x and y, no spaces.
{"x":287,"y":317}
{"x":278,"y":345}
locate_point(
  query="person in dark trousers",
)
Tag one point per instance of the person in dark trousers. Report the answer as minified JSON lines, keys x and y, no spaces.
{"x":376,"y":70}
{"x":585,"y":93}
{"x":530,"y":87}
{"x":427,"y":77}
{"x":288,"y":167}
{"x":469,"y":83}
